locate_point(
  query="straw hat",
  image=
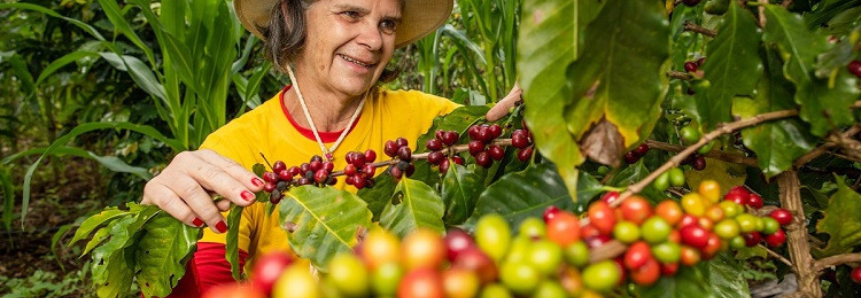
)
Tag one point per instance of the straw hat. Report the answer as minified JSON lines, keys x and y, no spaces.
{"x":420,"y":17}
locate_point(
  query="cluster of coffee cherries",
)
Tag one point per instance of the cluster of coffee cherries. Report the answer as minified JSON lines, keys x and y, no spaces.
{"x":480,"y":144}
{"x":634,"y":155}
{"x":360,"y":168}
{"x":443,"y":139}
{"x":692,"y":67}
{"x":400,"y":150}
{"x":281,"y":178}
{"x":522,"y":140}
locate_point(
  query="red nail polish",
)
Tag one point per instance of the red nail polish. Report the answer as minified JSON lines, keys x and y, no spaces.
{"x":221,"y":227}
{"x":247,"y":195}
{"x":197,"y":222}
{"x":257,"y":182}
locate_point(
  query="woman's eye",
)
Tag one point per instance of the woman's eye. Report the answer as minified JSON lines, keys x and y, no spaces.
{"x":388,"y":26}
{"x":351,"y":14}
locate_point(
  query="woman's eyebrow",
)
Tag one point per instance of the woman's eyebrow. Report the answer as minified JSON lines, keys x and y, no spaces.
{"x":364,"y":11}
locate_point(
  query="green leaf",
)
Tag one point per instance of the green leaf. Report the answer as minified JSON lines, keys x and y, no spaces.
{"x":95,"y":221}
{"x":841,"y":222}
{"x":414,"y":205}
{"x":233,"y":223}
{"x":112,"y":11}
{"x":140,"y":73}
{"x":605,"y":86}
{"x":722,"y":274}
{"x":778,"y":143}
{"x":111,"y":162}
{"x":520,"y":195}
{"x":726,"y":174}
{"x":114,"y":261}
{"x":633,"y":174}
{"x":688,"y":282}
{"x":166,"y":245}
{"x":823,"y":104}
{"x":549,"y":38}
{"x":324,"y":221}
{"x":460,"y":189}
{"x":380,"y":195}
{"x":8,"y":197}
{"x":733,"y":66}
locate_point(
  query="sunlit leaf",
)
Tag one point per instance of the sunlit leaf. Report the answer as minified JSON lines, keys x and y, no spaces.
{"x":414,"y":205}
{"x":163,"y":250}
{"x":841,"y":221}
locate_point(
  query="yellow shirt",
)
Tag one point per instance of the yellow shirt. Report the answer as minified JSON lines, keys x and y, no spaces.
{"x":267,"y":129}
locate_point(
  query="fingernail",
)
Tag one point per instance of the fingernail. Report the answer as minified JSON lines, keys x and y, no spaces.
{"x":221,"y":227}
{"x":257,"y":182}
{"x":197,"y":222}
{"x":247,"y":195}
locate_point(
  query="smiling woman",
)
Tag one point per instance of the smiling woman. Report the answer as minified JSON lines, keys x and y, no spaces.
{"x":336,"y":53}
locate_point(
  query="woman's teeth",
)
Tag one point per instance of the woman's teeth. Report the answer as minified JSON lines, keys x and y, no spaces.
{"x":354,"y":61}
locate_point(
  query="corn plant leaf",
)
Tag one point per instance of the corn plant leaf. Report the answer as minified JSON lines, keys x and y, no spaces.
{"x":519,"y":195}
{"x":112,"y":11}
{"x":324,"y":221}
{"x":460,"y":190}
{"x":823,"y":104}
{"x":778,"y":143}
{"x":232,"y":254}
{"x":166,"y":245}
{"x":414,"y":205}
{"x":733,"y":66}
{"x":841,"y":221}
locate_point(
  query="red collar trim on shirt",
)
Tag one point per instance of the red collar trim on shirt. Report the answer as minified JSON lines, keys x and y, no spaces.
{"x":325,"y":136}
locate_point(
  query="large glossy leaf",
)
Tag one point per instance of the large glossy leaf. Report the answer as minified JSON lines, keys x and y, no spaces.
{"x":733,"y":66}
{"x":618,"y":78}
{"x":460,"y":189}
{"x":841,"y":221}
{"x":550,"y":34}
{"x":324,"y":221}
{"x":162,"y":252}
{"x":232,"y":254}
{"x":414,"y":205}
{"x":823,"y":104}
{"x":778,"y":143}
{"x":722,"y":274}
{"x":688,"y":282}
{"x":380,"y":195}
{"x":520,"y":195}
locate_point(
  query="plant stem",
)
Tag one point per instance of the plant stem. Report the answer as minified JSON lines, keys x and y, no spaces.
{"x":679,"y":75}
{"x":699,"y":29}
{"x":840,"y":259}
{"x":716,"y":154}
{"x":796,"y":232}
{"x":776,"y":255}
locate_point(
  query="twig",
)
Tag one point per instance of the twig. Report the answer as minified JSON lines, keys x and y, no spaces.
{"x":776,"y":255}
{"x":762,"y":13}
{"x":840,"y":259}
{"x":608,"y":251}
{"x":786,"y":3}
{"x":716,"y":154}
{"x":796,"y":233}
{"x":679,"y":75}
{"x":804,"y":159}
{"x":699,"y":29}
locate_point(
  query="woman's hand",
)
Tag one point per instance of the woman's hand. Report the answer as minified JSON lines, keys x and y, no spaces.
{"x":503,"y":106}
{"x":183,"y":188}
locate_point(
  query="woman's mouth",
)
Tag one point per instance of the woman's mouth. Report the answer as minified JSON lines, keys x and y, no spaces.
{"x":357,"y":62}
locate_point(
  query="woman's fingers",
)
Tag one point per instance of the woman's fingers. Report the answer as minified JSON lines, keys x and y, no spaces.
{"x":502,"y":107}
{"x":234,"y":169}
{"x":159,"y":194}
{"x":215,"y":178}
{"x":198,"y":200}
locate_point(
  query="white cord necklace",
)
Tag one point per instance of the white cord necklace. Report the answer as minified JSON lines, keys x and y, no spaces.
{"x":327,"y":152}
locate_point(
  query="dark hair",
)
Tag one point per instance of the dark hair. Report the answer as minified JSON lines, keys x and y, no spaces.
{"x":285,"y":36}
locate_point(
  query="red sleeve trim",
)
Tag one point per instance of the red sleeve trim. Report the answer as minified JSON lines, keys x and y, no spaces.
{"x":206,"y":269}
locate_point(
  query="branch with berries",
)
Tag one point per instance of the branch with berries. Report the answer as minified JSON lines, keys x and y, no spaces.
{"x":485,"y":145}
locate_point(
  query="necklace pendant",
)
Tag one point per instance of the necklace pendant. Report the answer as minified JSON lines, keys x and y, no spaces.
{"x":330,"y":157}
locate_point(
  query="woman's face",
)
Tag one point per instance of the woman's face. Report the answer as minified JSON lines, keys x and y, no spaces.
{"x":349,"y":43}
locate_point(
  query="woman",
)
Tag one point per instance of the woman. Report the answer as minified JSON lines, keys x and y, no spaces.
{"x":335,"y":52}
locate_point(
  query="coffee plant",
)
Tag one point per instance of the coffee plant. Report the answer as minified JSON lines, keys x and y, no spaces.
{"x":736,"y":122}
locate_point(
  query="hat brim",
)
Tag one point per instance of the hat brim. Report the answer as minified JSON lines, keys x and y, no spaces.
{"x":420,"y":17}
